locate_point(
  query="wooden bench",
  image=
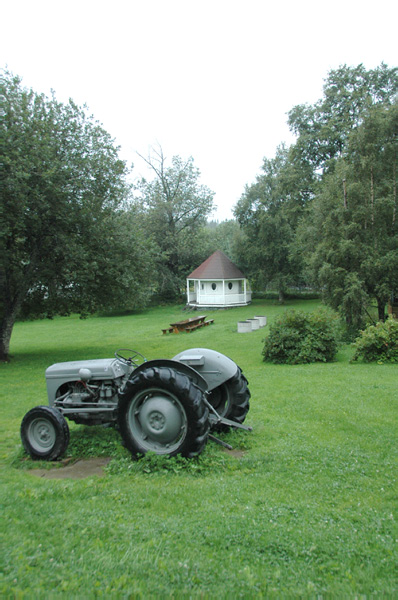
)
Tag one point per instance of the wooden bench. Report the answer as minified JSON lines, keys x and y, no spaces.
{"x":188,"y":325}
{"x":192,"y":327}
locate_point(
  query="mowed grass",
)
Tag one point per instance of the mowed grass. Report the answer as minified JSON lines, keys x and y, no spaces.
{"x":306,"y":504}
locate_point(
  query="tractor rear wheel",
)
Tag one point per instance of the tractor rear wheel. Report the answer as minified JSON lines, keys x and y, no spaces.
{"x":44,"y":433}
{"x":231,"y":399}
{"x":161,"y":410}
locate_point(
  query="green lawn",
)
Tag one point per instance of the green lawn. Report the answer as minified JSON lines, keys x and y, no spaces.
{"x":305,"y":506}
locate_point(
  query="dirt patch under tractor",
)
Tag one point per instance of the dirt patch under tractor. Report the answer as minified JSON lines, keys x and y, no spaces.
{"x":78,"y":470}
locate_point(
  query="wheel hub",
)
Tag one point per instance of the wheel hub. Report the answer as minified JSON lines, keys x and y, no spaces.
{"x":157,"y":420}
{"x":161,"y":419}
{"x":41,"y":434}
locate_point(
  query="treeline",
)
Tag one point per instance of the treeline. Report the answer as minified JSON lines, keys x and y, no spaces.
{"x":77,"y":235}
{"x":323,"y":212}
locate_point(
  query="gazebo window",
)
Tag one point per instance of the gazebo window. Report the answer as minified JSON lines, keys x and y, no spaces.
{"x":213,"y":286}
{"x":230,"y":285}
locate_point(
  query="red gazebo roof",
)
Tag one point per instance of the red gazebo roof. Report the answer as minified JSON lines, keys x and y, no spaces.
{"x":217,"y":266}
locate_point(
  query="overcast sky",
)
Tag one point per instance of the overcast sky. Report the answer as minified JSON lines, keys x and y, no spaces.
{"x":208,"y":79}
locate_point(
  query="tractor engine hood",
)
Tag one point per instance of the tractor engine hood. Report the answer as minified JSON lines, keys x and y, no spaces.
{"x":102,"y":368}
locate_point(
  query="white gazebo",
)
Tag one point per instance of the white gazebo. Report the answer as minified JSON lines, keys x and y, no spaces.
{"x":218,"y":283}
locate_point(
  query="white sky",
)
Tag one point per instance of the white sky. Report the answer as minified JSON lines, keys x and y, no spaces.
{"x":211,"y":79}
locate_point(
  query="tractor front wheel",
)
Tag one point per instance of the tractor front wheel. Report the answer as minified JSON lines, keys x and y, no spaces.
{"x":161,"y":410}
{"x":44,"y":433}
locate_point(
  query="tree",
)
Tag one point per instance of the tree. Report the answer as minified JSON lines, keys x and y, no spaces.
{"x":177,"y":206}
{"x":63,"y":187}
{"x":268,"y":212}
{"x":353,"y":238}
{"x":348,"y":140}
{"x":323,"y":129}
{"x":225,"y":236}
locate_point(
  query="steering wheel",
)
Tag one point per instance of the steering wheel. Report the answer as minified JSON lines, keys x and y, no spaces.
{"x":135,"y":358}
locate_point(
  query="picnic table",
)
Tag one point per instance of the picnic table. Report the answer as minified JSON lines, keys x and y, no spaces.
{"x":188,"y":324}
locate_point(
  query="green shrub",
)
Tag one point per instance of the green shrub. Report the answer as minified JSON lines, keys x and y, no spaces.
{"x":290,"y":294}
{"x":378,"y":343}
{"x":299,"y":337}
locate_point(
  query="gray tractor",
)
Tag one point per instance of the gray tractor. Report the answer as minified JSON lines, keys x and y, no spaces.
{"x":164,"y":406}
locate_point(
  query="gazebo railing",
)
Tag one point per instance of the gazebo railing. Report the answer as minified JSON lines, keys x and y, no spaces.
{"x":220,"y":299}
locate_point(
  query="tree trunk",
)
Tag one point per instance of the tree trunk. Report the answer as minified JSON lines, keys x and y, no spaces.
{"x":345,"y":193}
{"x":372,"y":196}
{"x":381,"y":305}
{"x":6,"y":327}
{"x":394,"y":214}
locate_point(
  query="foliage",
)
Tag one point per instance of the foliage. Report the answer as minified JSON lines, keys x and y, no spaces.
{"x":378,"y":343}
{"x":176,"y":207}
{"x":293,"y":293}
{"x":225,"y":236}
{"x":352,"y":235}
{"x":269,"y":212}
{"x":326,"y":210}
{"x":323,"y":129}
{"x":304,"y":506}
{"x":64,"y":188}
{"x":298,"y":337}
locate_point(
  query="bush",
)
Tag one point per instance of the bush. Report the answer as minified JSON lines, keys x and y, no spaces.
{"x":290,"y":294}
{"x":299,"y":337}
{"x":378,"y":343}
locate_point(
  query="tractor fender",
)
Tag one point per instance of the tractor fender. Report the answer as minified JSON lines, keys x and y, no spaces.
{"x":196,"y":377}
{"x":214,"y":367}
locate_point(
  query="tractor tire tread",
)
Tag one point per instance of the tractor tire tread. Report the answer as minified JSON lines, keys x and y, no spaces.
{"x":239,"y":394}
{"x":61,"y":427}
{"x":188,"y":393}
